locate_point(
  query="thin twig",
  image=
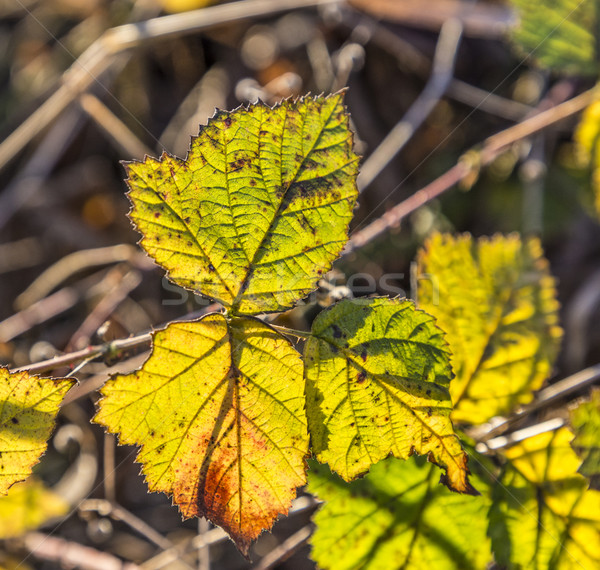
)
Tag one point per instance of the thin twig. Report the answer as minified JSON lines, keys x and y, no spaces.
{"x":95,"y":382}
{"x":72,"y":554}
{"x":32,"y":177}
{"x":203,"y":553}
{"x":73,"y":263}
{"x":172,"y":554}
{"x":116,"y":129}
{"x":112,"y":347}
{"x":517,"y":436}
{"x":441,"y":74}
{"x":117,"y":512}
{"x":104,"y":309}
{"x":99,"y":56}
{"x":292,"y":332}
{"x":545,"y":398}
{"x":108,"y":348}
{"x":288,"y":547}
{"x":482,"y":19}
{"x":470,"y":161}
{"x":213,"y":536}
{"x":487,"y":101}
{"x":109,"y":469}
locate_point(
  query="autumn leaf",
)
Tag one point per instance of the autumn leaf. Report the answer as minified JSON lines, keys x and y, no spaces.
{"x":496,"y":301}
{"x":397,"y":516}
{"x":28,"y":408}
{"x":587,"y":137}
{"x":377,"y":376}
{"x":218,"y":410}
{"x":542,"y":515}
{"x":260,"y":207}
{"x":585,"y":422}
{"x":559,"y":34}
{"x":28,"y":505}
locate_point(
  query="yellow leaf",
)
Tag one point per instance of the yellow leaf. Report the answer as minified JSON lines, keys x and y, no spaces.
{"x":184,"y":5}
{"x":496,"y":301}
{"x":377,"y":375}
{"x":28,"y":408}
{"x":260,"y":207}
{"x":218,"y":410}
{"x":543,"y":516}
{"x":586,"y":136}
{"x":27,"y":506}
{"x":397,"y":516}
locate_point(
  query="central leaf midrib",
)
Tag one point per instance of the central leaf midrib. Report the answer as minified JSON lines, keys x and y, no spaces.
{"x":245,"y":282}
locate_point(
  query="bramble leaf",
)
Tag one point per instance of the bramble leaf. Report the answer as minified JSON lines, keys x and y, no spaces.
{"x":587,"y":137}
{"x":377,"y":375}
{"x":27,"y":506}
{"x":559,"y":34}
{"x":496,"y":301}
{"x":218,"y":410}
{"x":397,"y":516}
{"x":260,"y":207}
{"x":585,"y":422}
{"x":542,"y":515}
{"x":28,"y":408}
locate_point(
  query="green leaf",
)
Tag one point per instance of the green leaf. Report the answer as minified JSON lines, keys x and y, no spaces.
{"x":260,"y":207}
{"x":496,"y":301}
{"x":585,"y":422}
{"x":218,"y":410}
{"x":559,"y":34}
{"x":377,"y":375}
{"x":397,"y":516}
{"x":543,"y":516}
{"x":27,"y":506}
{"x":586,"y":137}
{"x":28,"y":408}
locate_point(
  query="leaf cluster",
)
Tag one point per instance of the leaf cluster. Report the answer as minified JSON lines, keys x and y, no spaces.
{"x":226,"y":410}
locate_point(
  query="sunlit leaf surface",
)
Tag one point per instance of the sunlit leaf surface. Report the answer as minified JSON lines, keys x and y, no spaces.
{"x":27,"y":506}
{"x":397,"y":516}
{"x":260,"y":207}
{"x":496,"y":301}
{"x":543,"y":516}
{"x":377,"y":374}
{"x":28,"y":408}
{"x":218,"y":410}
{"x":587,"y":137}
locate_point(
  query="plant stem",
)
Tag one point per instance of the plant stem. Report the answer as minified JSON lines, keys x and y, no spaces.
{"x":469,"y":163}
{"x":293,"y":332}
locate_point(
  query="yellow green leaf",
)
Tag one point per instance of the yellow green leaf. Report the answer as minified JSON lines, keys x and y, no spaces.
{"x":559,"y":34}
{"x":586,"y":137}
{"x":496,"y":301}
{"x":397,"y":516}
{"x":27,"y":506}
{"x":174,"y":6}
{"x":260,"y":207}
{"x":377,"y":375}
{"x":542,"y":515}
{"x":585,"y":422}
{"x":28,"y":408}
{"x":218,"y":410}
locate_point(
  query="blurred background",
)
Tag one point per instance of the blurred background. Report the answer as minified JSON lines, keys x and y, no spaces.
{"x":81,"y":91}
